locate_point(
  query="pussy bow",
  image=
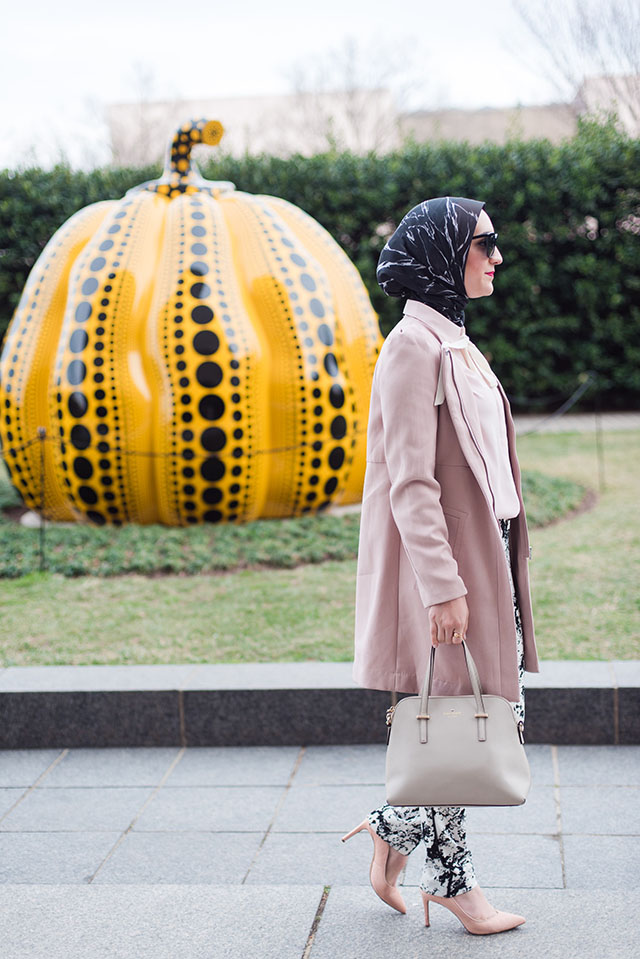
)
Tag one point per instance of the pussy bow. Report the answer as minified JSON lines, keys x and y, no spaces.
{"x":474,"y":360}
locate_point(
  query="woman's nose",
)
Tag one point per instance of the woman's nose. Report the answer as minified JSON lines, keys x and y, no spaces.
{"x":496,"y":257}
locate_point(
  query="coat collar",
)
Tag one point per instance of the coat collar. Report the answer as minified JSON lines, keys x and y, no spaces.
{"x":443,"y":328}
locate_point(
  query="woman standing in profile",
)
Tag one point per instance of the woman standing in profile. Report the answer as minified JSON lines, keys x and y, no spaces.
{"x":444,"y":547}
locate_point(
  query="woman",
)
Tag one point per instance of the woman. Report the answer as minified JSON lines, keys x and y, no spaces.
{"x":442,"y":510}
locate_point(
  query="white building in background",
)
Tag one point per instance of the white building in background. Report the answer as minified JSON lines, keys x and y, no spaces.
{"x":357,"y":120}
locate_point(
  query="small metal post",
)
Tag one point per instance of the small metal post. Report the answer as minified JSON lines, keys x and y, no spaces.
{"x":42,"y":435}
{"x":599,"y":438}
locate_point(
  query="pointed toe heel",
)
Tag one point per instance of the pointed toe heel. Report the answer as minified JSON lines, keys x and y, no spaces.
{"x":385,"y":890}
{"x":499,"y":922}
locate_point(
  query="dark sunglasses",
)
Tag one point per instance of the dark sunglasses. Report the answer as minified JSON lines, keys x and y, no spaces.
{"x":489,"y":241}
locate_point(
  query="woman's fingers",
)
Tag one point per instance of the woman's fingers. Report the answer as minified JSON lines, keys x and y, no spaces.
{"x":448,"y":622}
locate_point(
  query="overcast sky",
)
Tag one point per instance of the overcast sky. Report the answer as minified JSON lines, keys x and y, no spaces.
{"x":62,"y":61}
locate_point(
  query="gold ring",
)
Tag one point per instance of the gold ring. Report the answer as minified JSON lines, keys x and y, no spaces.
{"x":457,"y":632}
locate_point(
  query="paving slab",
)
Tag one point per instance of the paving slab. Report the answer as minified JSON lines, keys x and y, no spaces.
{"x":71,"y":809}
{"x":341,"y":765}
{"x":197,"y":858}
{"x":612,"y":810}
{"x":537,"y":815}
{"x":561,"y":924}
{"x":113,"y":766}
{"x":590,"y":859}
{"x":599,"y":765}
{"x":308,"y":858}
{"x":326,"y":808}
{"x":541,"y":764}
{"x":210,"y":808}
{"x":21,"y":767}
{"x":156,"y":922}
{"x":235,"y":766}
{"x":52,"y":857}
{"x":9,"y":795}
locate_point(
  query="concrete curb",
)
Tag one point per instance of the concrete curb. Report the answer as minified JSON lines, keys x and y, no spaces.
{"x":279,"y":704}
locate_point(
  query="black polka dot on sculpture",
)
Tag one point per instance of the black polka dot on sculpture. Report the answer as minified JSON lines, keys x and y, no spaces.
{"x":316,"y":307}
{"x":325,"y":335}
{"x":82,"y":467}
{"x":336,"y":458}
{"x":213,"y":439}
{"x":76,"y":372}
{"x":212,"y":469}
{"x":199,"y":268}
{"x":211,"y":407}
{"x":77,"y":404}
{"x":202,"y":314}
{"x":83,"y":312}
{"x":87,"y":495}
{"x":200,"y":291}
{"x":330,"y":364}
{"x":206,"y":342}
{"x":78,"y":341}
{"x":336,"y":396}
{"x":209,"y":374}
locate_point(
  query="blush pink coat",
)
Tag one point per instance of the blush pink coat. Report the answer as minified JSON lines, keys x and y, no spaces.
{"x":428,"y":530}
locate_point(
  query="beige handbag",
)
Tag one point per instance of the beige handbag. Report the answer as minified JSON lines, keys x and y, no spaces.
{"x":455,"y":750}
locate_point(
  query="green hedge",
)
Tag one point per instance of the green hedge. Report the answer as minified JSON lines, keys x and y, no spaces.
{"x":567,"y":297}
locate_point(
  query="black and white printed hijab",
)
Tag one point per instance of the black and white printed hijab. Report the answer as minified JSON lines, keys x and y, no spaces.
{"x":425,"y":258}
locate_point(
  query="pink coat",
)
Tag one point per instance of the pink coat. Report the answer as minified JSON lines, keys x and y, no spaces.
{"x":428,"y":530}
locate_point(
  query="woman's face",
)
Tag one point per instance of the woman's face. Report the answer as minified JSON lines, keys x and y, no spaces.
{"x":480,"y":268}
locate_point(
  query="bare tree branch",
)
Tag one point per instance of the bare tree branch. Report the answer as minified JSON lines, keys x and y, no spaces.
{"x":587,"y":47}
{"x":350,"y":97}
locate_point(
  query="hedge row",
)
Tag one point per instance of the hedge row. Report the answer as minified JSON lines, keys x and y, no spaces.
{"x":567,"y":297}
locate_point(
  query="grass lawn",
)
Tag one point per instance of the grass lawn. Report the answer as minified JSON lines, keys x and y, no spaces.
{"x":584,"y":574}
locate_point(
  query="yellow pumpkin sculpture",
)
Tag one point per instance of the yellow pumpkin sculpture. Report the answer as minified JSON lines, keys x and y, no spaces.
{"x":194,"y":354}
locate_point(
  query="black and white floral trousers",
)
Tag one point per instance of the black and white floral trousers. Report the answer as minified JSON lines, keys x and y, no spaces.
{"x":448,"y":868}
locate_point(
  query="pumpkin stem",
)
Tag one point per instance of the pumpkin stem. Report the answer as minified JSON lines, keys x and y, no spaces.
{"x":181,"y":173}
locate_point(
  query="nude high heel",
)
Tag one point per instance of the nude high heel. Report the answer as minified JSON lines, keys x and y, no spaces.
{"x":378,"y":869}
{"x":499,"y":922}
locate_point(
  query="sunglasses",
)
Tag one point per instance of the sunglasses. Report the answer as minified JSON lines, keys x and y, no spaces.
{"x":488,"y":240}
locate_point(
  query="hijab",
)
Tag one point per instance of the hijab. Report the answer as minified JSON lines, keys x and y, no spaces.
{"x":425,"y":258}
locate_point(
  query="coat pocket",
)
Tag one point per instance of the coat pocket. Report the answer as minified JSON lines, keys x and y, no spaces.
{"x":455,"y":520}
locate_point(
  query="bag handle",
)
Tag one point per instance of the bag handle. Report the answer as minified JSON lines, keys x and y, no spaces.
{"x":481,"y":714}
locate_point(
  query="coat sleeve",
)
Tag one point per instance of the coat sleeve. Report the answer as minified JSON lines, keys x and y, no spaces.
{"x":407,"y":375}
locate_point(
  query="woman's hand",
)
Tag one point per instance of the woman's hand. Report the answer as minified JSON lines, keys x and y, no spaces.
{"x":449,"y":621}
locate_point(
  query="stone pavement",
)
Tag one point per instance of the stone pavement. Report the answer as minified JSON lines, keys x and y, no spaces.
{"x":234,"y":853}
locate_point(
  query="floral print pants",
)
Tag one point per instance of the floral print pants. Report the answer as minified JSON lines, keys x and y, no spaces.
{"x":448,"y":868}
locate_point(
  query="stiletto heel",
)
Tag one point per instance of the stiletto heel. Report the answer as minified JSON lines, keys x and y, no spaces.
{"x":378,"y":869}
{"x":499,"y":922}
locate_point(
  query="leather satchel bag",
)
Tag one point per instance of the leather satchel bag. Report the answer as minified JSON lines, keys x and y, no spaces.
{"x":455,"y":750}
